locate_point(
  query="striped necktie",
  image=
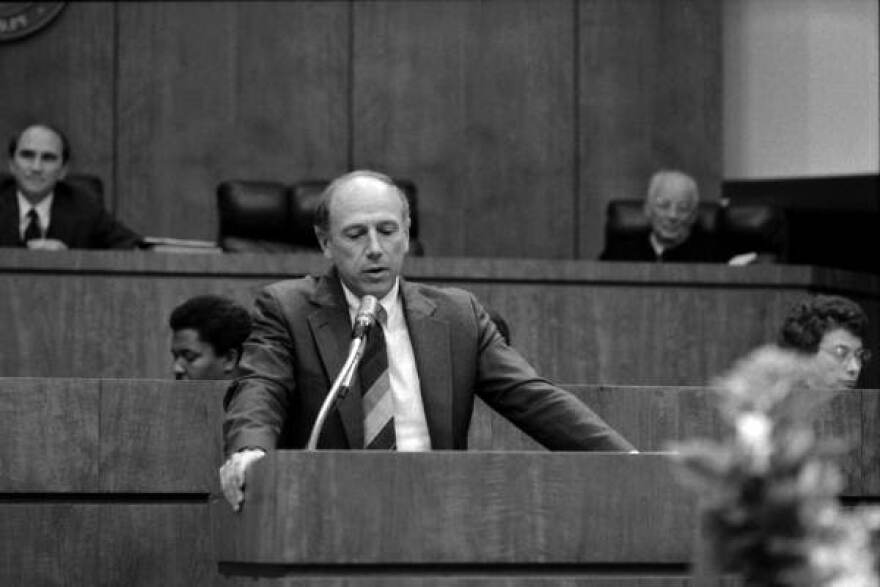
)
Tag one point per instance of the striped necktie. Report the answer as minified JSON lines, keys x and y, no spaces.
{"x":376,"y":390}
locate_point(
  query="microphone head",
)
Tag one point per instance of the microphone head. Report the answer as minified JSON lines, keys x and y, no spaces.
{"x":366,"y":316}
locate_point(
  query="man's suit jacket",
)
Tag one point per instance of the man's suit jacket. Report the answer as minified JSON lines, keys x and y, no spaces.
{"x":699,"y":247}
{"x":300,"y":341}
{"x":77,"y":219}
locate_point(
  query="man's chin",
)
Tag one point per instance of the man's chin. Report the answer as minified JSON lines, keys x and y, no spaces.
{"x":378,"y":287}
{"x":35,"y":194}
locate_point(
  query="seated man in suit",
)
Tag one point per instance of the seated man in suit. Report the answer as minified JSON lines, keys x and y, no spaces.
{"x":38,"y":210}
{"x":442,"y":351}
{"x":831,"y":329}
{"x":208,"y":332}
{"x":671,"y":208}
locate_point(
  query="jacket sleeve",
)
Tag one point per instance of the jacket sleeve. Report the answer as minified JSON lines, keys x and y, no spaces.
{"x":256,"y":403}
{"x":551,"y":415}
{"x":109,"y":233}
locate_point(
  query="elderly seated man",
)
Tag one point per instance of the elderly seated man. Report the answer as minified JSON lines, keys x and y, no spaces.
{"x":671,"y":208}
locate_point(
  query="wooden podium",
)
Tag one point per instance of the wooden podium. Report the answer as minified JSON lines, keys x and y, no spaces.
{"x":448,"y":518}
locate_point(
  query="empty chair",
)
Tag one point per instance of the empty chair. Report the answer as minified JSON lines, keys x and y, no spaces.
{"x":255,"y":216}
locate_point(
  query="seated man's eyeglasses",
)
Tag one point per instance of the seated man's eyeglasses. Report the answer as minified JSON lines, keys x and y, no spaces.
{"x":843,"y":353}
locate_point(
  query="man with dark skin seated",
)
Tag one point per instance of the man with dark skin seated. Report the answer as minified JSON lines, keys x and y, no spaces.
{"x":443,"y":350}
{"x":208,"y":332}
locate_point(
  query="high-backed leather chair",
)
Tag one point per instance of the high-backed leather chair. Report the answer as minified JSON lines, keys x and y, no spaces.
{"x":255,"y":216}
{"x":266,"y":216}
{"x":754,"y":228}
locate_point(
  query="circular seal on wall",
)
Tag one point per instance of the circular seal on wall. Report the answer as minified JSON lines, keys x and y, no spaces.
{"x":19,"y":19}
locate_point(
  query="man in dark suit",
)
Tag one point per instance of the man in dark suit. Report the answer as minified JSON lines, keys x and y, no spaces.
{"x":38,"y":210}
{"x":671,"y":210}
{"x":442,"y":349}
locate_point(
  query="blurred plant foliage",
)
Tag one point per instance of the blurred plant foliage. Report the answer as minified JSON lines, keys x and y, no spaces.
{"x":769,"y":489}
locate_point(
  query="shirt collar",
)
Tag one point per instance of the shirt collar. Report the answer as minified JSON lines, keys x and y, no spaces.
{"x":43,"y":207}
{"x":390,"y":301}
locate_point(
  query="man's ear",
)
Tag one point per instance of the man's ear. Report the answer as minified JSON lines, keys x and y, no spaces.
{"x":63,"y":172}
{"x":323,"y":241}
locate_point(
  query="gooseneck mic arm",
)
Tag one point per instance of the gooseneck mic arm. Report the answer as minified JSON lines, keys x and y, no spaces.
{"x":363,"y":321}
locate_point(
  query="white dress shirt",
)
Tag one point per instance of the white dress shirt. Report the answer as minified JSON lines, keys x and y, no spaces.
{"x":410,"y":425}
{"x":44,"y":212}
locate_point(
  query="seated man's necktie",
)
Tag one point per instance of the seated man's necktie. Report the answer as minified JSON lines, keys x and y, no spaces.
{"x":377,"y":399}
{"x":33,"y":230}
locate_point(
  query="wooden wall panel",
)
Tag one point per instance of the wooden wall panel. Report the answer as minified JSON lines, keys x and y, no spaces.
{"x":211,"y":91}
{"x":104,"y":314}
{"x":49,"y":544}
{"x":649,"y":98}
{"x":161,"y":543}
{"x":66,"y":458}
{"x":474,"y":101}
{"x":517,"y":119}
{"x":160,"y":436}
{"x":64,"y":75}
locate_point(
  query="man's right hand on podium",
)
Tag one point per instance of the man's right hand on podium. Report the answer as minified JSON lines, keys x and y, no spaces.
{"x":233,"y":471}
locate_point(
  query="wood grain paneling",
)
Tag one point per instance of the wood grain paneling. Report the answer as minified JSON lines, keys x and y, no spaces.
{"x":518,"y":120}
{"x":104,"y":314}
{"x":64,"y":75}
{"x":211,"y":91}
{"x":161,"y":436}
{"x":652,"y":418}
{"x":447,"y":508}
{"x":156,"y":544}
{"x":49,"y":435}
{"x":649,"y":98}
{"x":49,"y":544}
{"x":474,"y":101}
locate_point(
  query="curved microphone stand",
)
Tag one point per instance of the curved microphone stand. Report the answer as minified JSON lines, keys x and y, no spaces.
{"x":340,"y":387}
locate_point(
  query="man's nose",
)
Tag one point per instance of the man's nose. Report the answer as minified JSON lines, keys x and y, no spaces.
{"x":374,"y":246}
{"x":853,"y":364}
{"x":179,"y":369}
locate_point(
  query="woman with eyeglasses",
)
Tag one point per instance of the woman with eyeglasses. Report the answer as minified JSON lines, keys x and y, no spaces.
{"x":833,"y":329}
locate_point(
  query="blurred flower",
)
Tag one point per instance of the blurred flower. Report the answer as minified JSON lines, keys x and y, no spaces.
{"x":768,"y":490}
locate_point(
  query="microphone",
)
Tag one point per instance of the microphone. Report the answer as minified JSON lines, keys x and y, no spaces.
{"x":364,"y":320}
{"x":365,"y":317}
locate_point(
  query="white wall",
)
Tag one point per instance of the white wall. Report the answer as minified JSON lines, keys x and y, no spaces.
{"x":800,"y":85}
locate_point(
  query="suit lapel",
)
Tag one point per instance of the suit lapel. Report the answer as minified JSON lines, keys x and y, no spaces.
{"x":431,"y":346}
{"x":9,"y":217}
{"x":62,"y":217}
{"x":331,"y":327}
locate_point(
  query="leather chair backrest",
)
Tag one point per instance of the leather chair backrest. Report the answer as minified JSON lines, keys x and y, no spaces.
{"x":255,"y":216}
{"x":758,"y":228}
